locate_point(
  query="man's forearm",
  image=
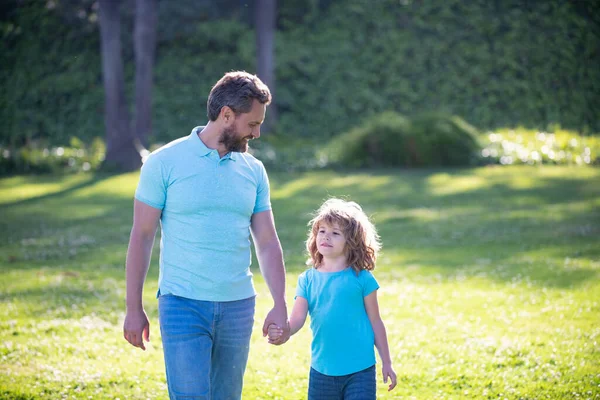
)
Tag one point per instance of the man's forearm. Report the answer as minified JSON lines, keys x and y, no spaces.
{"x":272,"y":267}
{"x":138,"y":261}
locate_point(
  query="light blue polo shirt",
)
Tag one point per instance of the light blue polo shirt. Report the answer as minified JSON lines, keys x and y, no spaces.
{"x":343,"y":338}
{"x":206,"y":204}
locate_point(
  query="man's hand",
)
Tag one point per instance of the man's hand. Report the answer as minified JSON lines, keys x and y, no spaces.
{"x":278,"y":316}
{"x":136,"y":328}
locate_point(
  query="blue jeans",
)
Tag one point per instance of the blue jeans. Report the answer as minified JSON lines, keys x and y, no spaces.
{"x":357,"y":386}
{"x":206,"y":346}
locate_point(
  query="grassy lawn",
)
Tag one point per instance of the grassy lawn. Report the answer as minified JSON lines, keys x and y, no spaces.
{"x":490,"y":284}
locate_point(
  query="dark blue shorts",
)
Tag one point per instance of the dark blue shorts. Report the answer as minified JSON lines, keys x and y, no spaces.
{"x":357,"y":386}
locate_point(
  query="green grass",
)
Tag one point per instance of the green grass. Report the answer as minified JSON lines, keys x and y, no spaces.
{"x":489,"y":284}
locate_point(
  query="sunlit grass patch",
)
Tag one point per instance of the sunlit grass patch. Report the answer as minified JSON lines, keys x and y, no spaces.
{"x":490,"y":284}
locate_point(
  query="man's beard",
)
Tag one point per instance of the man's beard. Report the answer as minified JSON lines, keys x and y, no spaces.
{"x":229,"y":138}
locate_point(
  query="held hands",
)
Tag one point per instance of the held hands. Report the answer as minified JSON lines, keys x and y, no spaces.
{"x":388,"y":372}
{"x":277,"y":317}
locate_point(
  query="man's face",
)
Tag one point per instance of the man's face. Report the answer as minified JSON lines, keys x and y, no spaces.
{"x":245,"y":127}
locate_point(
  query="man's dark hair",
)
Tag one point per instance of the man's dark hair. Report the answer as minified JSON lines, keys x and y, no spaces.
{"x":236,"y":90}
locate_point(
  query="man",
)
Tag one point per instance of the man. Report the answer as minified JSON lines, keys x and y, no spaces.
{"x":209,"y":196}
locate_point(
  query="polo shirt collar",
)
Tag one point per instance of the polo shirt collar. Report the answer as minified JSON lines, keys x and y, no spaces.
{"x":200,"y":148}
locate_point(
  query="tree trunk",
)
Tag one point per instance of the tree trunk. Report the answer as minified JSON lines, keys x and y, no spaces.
{"x":121,"y":153}
{"x":145,"y":44}
{"x":264,"y":23}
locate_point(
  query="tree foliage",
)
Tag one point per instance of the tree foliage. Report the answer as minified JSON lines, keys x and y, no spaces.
{"x":494,"y":63}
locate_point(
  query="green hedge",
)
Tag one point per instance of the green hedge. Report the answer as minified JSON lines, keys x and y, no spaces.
{"x":496,"y":64}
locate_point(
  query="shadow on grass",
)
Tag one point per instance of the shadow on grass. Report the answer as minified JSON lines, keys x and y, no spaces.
{"x":94,"y":179}
{"x":443,"y":220}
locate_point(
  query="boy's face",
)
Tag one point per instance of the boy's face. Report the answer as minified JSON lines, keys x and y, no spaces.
{"x":331,"y":241}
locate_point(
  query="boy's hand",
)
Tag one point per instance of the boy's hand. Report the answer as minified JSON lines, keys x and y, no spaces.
{"x":274,"y":332}
{"x":388,"y":372}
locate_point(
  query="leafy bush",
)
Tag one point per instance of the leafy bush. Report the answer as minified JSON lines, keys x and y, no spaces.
{"x":37,"y":158}
{"x":390,"y":140}
{"x":527,"y":146}
{"x":443,"y":140}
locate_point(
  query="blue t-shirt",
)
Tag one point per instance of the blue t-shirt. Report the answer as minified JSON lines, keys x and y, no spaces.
{"x":343,"y":338}
{"x":207,"y":203}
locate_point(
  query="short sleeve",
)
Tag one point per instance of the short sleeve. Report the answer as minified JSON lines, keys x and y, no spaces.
{"x":301,"y":288}
{"x":152,"y":185}
{"x":369,"y":283}
{"x":263,"y":196}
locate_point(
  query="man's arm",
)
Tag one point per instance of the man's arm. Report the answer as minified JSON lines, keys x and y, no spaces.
{"x":270,"y":259}
{"x":145,"y":223}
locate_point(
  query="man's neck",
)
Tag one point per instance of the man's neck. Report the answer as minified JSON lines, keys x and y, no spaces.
{"x":210,"y":136}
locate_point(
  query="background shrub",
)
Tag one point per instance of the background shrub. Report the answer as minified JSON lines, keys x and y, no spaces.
{"x":443,"y":140}
{"x":392,"y":140}
{"x":379,"y":141}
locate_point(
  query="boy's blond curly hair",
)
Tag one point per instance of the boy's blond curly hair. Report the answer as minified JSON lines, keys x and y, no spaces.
{"x":362,"y":240}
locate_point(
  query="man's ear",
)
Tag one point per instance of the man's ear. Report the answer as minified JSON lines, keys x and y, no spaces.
{"x":227,"y":115}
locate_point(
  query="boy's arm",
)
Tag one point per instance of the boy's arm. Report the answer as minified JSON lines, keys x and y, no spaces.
{"x":381,"y":341}
{"x":299,"y":313}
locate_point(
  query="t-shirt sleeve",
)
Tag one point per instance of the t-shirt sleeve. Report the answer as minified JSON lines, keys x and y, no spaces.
{"x":263,"y":195}
{"x":369,"y":283}
{"x":301,"y":289}
{"x":152,"y":185}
